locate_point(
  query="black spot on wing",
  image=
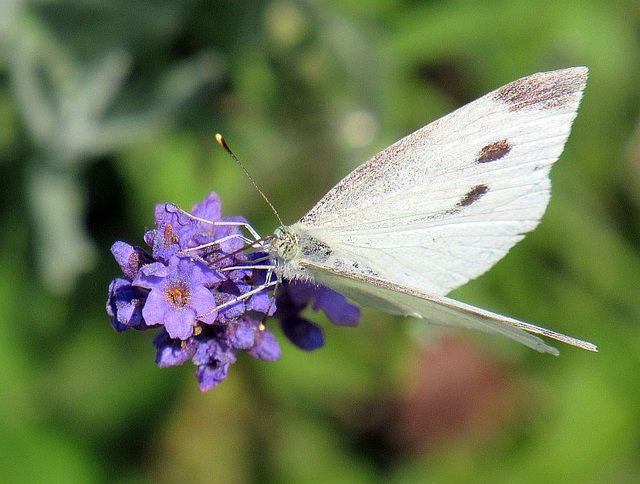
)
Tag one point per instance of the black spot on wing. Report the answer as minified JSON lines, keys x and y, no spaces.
{"x":494,"y":151}
{"x":475,"y":194}
{"x":544,"y":90}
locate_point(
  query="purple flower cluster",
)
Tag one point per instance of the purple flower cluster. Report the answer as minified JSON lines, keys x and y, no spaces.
{"x":193,"y":269}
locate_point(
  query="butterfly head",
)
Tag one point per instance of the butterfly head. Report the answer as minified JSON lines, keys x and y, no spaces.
{"x":285,"y":244}
{"x":285,"y":253}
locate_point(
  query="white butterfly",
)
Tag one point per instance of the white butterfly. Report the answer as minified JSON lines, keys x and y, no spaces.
{"x":440,"y":207}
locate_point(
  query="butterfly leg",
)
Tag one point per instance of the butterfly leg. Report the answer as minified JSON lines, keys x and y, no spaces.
{"x":244,"y":225}
{"x":246,"y":240}
{"x":272,"y":299}
{"x":233,"y":268}
{"x":242,"y":297}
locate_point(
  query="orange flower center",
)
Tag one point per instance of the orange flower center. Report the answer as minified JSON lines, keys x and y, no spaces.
{"x":169,"y":237}
{"x":178,"y":295}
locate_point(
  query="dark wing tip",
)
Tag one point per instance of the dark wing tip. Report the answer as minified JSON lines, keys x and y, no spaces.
{"x":559,"y":89}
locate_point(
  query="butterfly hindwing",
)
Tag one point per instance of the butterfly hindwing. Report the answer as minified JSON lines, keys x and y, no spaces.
{"x":393,"y":298}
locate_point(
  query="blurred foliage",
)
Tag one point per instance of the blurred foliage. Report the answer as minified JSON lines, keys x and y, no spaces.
{"x":107,"y":108}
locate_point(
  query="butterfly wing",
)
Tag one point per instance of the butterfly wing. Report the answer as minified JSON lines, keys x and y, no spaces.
{"x":444,"y":204}
{"x":394,"y":298}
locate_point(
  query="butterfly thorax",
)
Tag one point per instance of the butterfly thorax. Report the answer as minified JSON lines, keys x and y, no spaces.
{"x":293,"y":249}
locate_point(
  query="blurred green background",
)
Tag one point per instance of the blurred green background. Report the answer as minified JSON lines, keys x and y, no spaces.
{"x":107,"y":108}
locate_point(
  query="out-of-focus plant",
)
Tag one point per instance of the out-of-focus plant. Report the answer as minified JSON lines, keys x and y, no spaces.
{"x":72,"y":113}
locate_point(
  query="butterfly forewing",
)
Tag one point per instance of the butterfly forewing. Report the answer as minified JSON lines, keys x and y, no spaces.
{"x":444,"y":204}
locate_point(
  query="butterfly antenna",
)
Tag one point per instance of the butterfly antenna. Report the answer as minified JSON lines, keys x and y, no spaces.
{"x":223,"y":143}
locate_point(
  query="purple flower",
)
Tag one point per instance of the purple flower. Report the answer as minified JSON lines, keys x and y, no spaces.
{"x":124,"y":305}
{"x":213,"y":358}
{"x":229,"y":231}
{"x":294,"y":298}
{"x":179,"y":296}
{"x":214,"y":349}
{"x":266,"y":346}
{"x":174,"y":229}
{"x":252,"y":335}
{"x":172,"y":352}
{"x":210,"y":376}
{"x":241,"y":334}
{"x":130,"y":258}
{"x":303,"y":333}
{"x":333,"y":304}
{"x":197,"y":265}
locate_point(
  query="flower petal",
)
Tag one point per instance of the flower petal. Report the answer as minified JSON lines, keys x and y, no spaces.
{"x":241,"y":335}
{"x":172,"y":352}
{"x":336,"y":307}
{"x":301,"y":292}
{"x":125,"y":304}
{"x":262,"y":302}
{"x":151,"y":276}
{"x":209,"y":209}
{"x":210,"y":377}
{"x":127,"y":257}
{"x":303,"y":333}
{"x":179,"y":324}
{"x":203,"y":303}
{"x":266,"y":347}
{"x":199,"y":273}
